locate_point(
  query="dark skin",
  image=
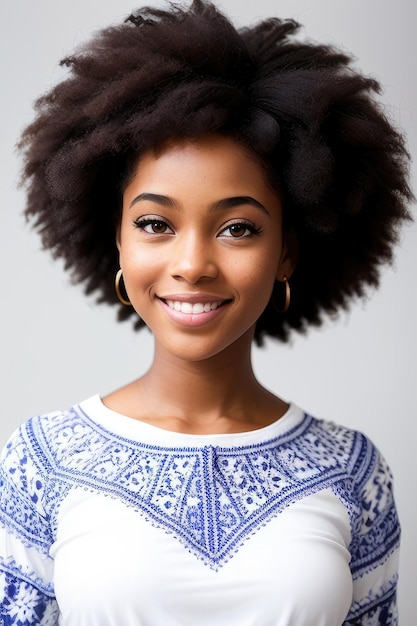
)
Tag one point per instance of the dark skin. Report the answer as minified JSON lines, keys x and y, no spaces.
{"x":201,"y":227}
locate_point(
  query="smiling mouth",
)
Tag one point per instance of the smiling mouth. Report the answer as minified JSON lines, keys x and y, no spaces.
{"x":195,"y":308}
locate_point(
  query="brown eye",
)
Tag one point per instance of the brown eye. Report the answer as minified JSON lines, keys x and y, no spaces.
{"x":238,"y":230}
{"x":158,"y":227}
{"x":153,"y":226}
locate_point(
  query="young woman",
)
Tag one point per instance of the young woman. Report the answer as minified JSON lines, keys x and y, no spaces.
{"x":218,"y":186}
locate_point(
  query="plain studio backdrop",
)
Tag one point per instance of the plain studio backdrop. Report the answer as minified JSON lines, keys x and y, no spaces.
{"x":58,"y":347}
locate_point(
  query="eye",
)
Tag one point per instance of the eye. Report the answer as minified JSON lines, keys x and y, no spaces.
{"x":239,"y":230}
{"x":153,"y":226}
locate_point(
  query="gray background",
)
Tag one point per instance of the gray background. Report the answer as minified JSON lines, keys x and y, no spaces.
{"x":58,"y":347}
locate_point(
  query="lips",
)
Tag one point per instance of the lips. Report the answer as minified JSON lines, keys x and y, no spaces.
{"x":193,"y":309}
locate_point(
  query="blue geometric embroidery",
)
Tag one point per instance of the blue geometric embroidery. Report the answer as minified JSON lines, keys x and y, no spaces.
{"x":210,"y":498}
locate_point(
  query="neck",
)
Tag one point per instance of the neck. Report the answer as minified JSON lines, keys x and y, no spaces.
{"x":209,"y":386}
{"x":213,"y":395}
{"x":218,"y":394}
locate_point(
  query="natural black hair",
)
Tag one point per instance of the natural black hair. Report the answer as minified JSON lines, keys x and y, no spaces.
{"x":315,"y":122}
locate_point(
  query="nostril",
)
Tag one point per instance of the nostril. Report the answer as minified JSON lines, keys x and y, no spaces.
{"x":191,"y":279}
{"x":193,"y":273}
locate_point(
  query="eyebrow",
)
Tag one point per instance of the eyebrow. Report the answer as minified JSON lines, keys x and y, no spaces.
{"x":153,"y":197}
{"x":226,"y":203}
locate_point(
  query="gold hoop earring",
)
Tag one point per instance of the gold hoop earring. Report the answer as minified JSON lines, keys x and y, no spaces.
{"x":287,"y":297}
{"x":117,"y":280}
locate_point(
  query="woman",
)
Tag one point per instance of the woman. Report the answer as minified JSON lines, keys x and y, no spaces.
{"x":219,"y":186}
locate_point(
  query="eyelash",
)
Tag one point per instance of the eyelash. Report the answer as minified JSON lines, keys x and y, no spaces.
{"x":253,"y":230}
{"x":143,"y":222}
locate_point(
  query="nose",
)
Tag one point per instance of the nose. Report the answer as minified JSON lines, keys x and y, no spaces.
{"x":193,"y":259}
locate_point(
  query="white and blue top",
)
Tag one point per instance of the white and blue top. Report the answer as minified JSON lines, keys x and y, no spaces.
{"x":109,"y":521}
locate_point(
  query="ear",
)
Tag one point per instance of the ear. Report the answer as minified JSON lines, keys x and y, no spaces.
{"x":119,"y":242}
{"x":118,"y":237}
{"x":289,"y":254}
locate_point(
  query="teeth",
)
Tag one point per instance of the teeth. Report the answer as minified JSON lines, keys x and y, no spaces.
{"x":195,"y":309}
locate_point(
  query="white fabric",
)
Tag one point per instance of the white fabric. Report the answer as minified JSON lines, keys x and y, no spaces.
{"x":114,"y":568}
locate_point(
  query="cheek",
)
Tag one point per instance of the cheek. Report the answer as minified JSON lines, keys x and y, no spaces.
{"x":256,"y":271}
{"x":253,"y":283}
{"x":139,"y":266}
{"x":132,"y":255}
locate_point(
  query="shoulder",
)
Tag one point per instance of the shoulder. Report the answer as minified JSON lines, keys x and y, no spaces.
{"x":31,"y":435}
{"x":24,"y":460}
{"x":35,"y":446}
{"x":367,"y":481}
{"x":350,"y":449}
{"x":32,"y":480}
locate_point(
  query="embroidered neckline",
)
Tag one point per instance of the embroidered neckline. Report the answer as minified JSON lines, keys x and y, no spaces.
{"x":211,"y":498}
{"x":119,"y":425}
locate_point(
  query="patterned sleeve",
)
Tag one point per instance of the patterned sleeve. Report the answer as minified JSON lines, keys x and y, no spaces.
{"x":26,"y":569}
{"x":375,"y":545}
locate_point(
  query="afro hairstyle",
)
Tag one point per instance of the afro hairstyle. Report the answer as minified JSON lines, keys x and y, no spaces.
{"x":182,"y":72}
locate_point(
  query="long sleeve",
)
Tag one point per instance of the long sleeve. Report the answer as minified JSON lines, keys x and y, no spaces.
{"x":26,"y":569}
{"x":375,"y":545}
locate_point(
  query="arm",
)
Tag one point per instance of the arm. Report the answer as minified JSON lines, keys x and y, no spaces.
{"x":375,"y":546}
{"x":26,"y":569}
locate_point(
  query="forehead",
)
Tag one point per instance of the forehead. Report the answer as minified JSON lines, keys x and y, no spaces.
{"x":209,"y":160}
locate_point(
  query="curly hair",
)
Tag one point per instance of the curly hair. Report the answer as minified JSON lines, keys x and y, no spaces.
{"x":187,"y":71}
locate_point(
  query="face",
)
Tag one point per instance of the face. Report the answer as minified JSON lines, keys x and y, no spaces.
{"x":201,"y":243}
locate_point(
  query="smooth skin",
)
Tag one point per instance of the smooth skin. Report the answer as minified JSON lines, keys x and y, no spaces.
{"x":201,"y":228}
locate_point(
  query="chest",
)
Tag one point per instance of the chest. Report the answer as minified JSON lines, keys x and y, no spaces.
{"x":114,"y":564}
